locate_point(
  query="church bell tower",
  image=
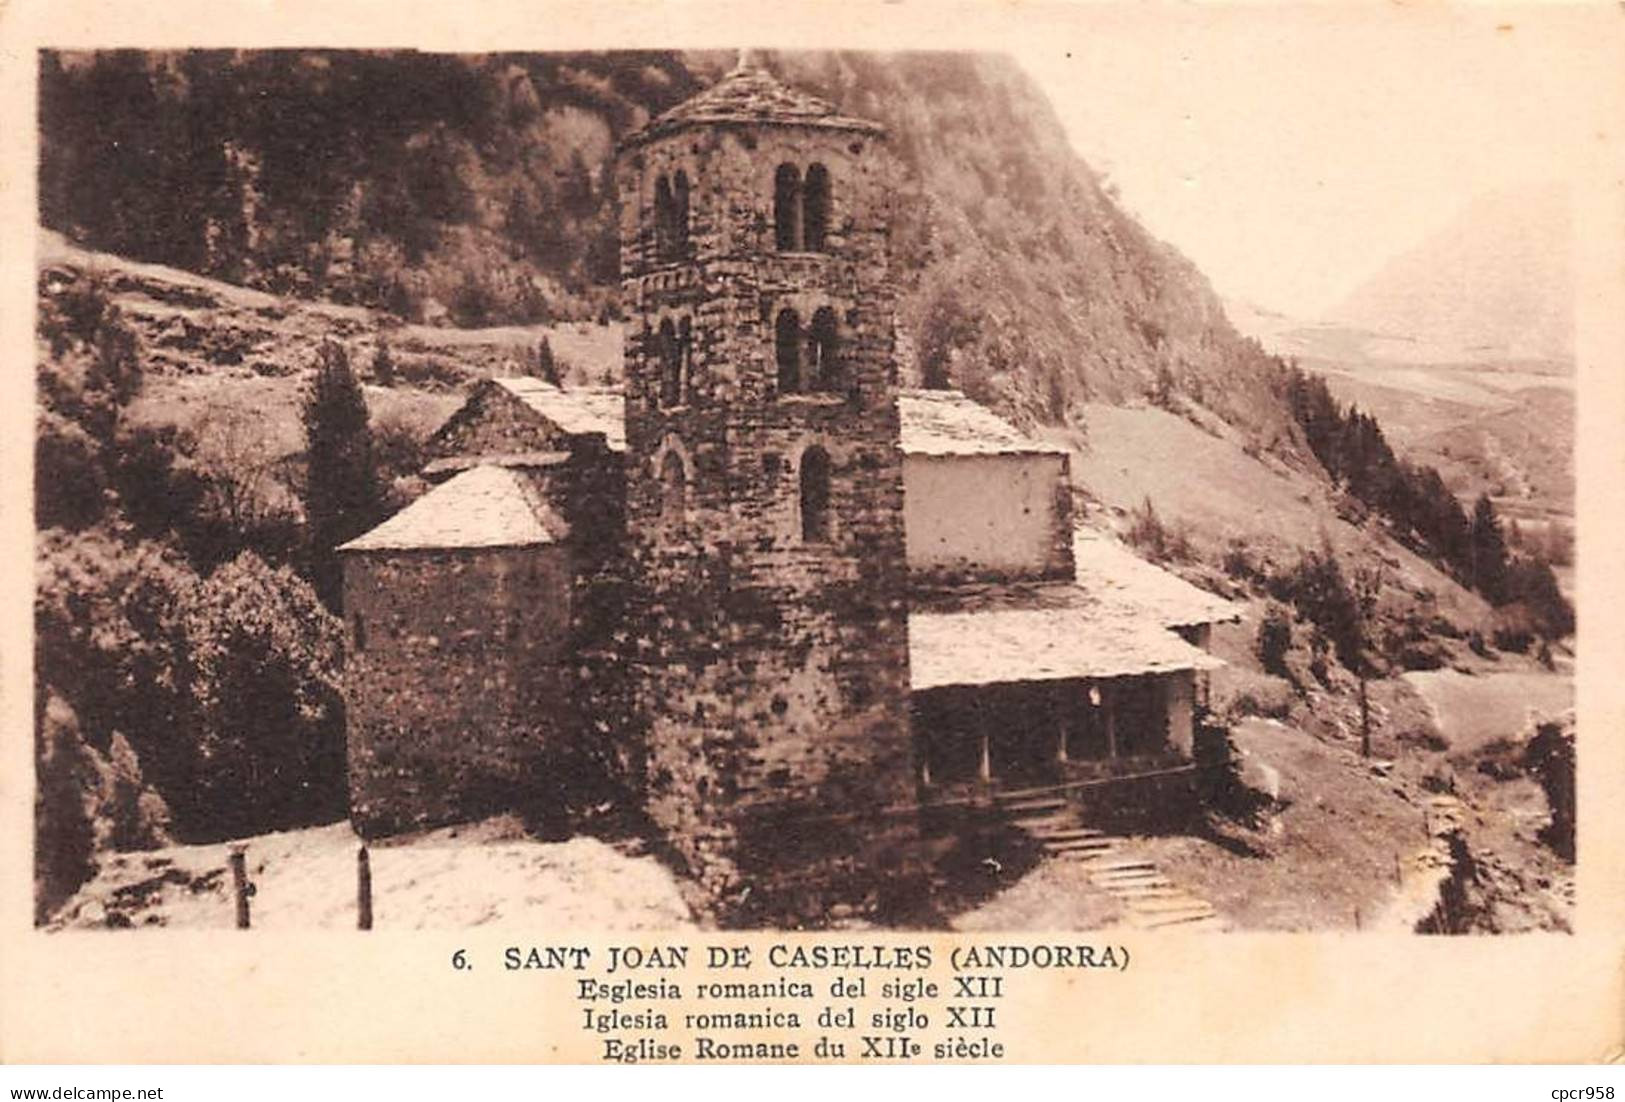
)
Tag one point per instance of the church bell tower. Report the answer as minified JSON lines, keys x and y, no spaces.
{"x":765,"y":496}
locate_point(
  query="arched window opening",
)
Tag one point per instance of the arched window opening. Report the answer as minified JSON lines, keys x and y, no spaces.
{"x":815,"y":209}
{"x":360,"y":627}
{"x":787,"y":208}
{"x":673,"y":489}
{"x":663,"y":216}
{"x":685,"y":360}
{"x":679,"y":214}
{"x":787,"y":350}
{"x":814,"y":495}
{"x":823,"y":353}
{"x":671,"y":366}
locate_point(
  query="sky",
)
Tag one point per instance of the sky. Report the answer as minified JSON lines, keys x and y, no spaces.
{"x":1291,"y":152}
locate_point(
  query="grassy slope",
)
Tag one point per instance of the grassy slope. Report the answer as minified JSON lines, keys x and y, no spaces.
{"x":1212,"y":483}
{"x":1327,"y":860}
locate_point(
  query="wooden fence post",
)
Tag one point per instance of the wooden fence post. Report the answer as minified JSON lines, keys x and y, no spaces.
{"x":363,"y":889}
{"x":240,"y":884}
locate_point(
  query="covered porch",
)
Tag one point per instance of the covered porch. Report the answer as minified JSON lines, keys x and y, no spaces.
{"x":1032,"y":733}
{"x":1013,"y":698}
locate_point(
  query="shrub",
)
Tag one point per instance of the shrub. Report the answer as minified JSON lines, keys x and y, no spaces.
{"x":265,"y":659}
{"x":383,"y":364}
{"x":1158,"y":541}
{"x":1274,"y":640}
{"x":1238,"y":561}
{"x":1320,"y":591}
{"x":64,"y":830}
{"x":1550,"y":757}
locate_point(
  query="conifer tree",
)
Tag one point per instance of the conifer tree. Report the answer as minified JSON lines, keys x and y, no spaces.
{"x":1487,"y":552}
{"x":546,"y":367}
{"x":343,"y":495}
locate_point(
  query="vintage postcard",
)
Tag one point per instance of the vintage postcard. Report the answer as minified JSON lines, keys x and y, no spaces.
{"x":853,"y":533}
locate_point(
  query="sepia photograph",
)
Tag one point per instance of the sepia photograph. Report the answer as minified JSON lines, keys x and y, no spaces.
{"x":1066,"y":489}
{"x":777,"y":489}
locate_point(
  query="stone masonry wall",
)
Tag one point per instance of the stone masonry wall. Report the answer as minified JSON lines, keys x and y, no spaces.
{"x":587,"y":490}
{"x":772,"y":674}
{"x":454,"y":683}
{"x":494,"y":421}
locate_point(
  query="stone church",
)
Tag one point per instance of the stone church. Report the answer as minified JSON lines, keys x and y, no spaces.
{"x":797,"y":601}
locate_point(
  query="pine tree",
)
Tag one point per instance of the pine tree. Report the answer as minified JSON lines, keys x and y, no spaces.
{"x":546,"y":367}
{"x":383,"y":365}
{"x":343,"y":495}
{"x":1487,"y":552}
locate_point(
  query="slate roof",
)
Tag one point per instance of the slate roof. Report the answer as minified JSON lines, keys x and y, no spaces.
{"x":480,"y":508}
{"x":994,"y":646}
{"x":451,"y":464}
{"x":576,"y":411}
{"x":750,"y":94}
{"x":946,"y":422}
{"x":1111,"y":573}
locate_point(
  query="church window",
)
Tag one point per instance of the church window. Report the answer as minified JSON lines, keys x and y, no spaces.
{"x":671,"y":365}
{"x":815,"y":209}
{"x":664,"y":216}
{"x":679,"y":214}
{"x":787,"y":351}
{"x":673,"y":489}
{"x":360,"y":629}
{"x":787,"y":208}
{"x":814,"y":495}
{"x":823,"y":353}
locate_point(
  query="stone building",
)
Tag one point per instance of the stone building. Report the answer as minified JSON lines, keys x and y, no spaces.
{"x":795,"y":600}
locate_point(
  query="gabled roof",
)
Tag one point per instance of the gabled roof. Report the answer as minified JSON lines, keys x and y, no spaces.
{"x":483,"y":507}
{"x":1005,"y":645}
{"x":1111,"y":573}
{"x":946,"y":422}
{"x":576,"y":411}
{"x":749,"y":94}
{"x":525,"y":461}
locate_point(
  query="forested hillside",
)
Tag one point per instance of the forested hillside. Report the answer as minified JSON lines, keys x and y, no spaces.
{"x":475,"y":190}
{"x":267,"y":277}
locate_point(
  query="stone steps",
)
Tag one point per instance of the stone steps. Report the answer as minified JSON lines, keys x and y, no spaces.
{"x":1059,"y":831}
{"x":1150,"y":900}
{"x":1031,"y":804}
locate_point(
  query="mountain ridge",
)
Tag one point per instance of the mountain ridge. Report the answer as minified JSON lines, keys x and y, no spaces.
{"x":476,"y":189}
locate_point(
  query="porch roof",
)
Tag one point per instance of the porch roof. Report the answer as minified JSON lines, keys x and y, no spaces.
{"x":992,"y":646}
{"x":1110,"y":572}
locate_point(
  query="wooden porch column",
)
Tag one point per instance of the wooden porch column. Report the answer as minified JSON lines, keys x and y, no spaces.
{"x":984,"y":768}
{"x":1109,"y":703}
{"x":1061,"y":718}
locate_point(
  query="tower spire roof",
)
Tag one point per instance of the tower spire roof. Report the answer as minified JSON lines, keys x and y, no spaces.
{"x":750,"y":94}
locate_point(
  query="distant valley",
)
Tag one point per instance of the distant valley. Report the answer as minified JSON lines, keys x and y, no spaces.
{"x":1462,"y":349}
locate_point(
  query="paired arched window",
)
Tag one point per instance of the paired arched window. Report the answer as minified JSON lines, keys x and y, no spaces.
{"x":814,"y":495}
{"x":787,"y":351}
{"x":824,"y":362}
{"x":815,"y":209}
{"x":787,"y":208}
{"x":807,"y":360}
{"x":674,"y":345}
{"x":673,"y":489}
{"x":801,"y":209}
{"x":671,"y":216}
